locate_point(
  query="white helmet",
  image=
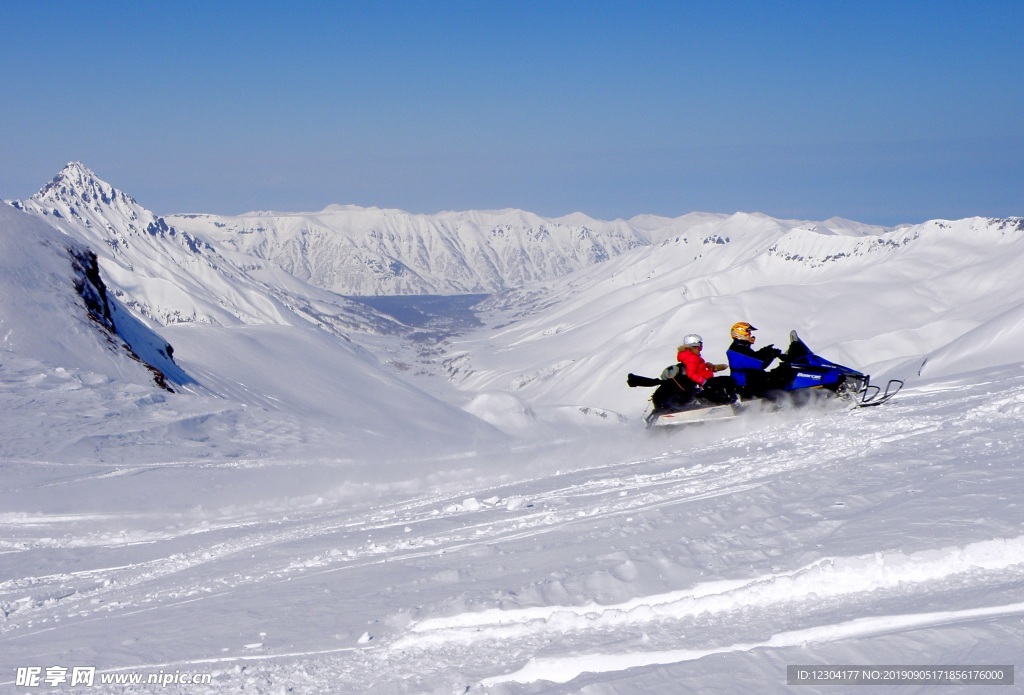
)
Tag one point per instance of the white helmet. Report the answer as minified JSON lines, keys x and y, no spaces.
{"x":692,"y":340}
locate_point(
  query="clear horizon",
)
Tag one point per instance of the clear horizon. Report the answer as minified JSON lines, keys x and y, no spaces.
{"x":874,"y":112}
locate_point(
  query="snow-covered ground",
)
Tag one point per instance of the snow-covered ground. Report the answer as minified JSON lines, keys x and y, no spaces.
{"x":316,"y":510}
{"x":699,"y":562}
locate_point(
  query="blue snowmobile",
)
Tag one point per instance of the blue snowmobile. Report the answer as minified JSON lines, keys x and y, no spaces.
{"x":802,"y":377}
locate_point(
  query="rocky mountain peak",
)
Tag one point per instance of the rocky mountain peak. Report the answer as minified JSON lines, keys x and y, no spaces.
{"x":77,"y":185}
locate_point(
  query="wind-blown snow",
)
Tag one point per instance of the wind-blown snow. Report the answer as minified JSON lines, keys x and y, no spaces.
{"x":331,"y":501}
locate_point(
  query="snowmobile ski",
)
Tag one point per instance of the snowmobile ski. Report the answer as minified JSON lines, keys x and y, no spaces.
{"x":691,"y":416}
{"x":872,"y":395}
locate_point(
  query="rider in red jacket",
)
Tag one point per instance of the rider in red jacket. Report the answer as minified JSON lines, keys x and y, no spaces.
{"x":697,"y":369}
{"x":676,"y":390}
{"x":717,"y":389}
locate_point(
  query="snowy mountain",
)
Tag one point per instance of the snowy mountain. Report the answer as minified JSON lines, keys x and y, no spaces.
{"x":171,"y":276}
{"x":368,"y":251}
{"x":319,"y":506}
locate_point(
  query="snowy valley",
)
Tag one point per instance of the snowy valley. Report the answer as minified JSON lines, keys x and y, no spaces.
{"x":247,"y":472}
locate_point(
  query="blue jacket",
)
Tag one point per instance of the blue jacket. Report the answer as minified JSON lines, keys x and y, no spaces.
{"x":743,"y":358}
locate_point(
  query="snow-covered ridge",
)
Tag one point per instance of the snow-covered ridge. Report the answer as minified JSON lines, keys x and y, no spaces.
{"x":807,"y":245}
{"x":171,"y":276}
{"x":356,"y":250}
{"x":57,"y":312}
{"x":368,"y":251}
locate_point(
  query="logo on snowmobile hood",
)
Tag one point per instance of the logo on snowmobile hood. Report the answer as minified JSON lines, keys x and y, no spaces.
{"x":814,"y":377}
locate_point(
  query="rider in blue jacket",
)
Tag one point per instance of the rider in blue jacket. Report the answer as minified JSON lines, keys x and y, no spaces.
{"x":747,"y":365}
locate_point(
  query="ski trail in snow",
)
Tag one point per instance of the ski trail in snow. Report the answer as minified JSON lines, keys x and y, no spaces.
{"x":864,"y":579}
{"x":826,"y":578}
{"x":564,"y":669}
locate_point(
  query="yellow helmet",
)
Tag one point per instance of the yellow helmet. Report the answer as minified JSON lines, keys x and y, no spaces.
{"x":742,"y":331}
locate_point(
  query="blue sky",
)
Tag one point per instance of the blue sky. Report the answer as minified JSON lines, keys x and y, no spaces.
{"x":876,"y":111}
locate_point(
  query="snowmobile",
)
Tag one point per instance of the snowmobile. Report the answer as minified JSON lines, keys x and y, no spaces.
{"x":802,"y":377}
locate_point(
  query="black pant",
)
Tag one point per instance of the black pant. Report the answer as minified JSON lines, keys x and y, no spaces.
{"x":673,"y":394}
{"x":719,"y":389}
{"x":758,"y":383}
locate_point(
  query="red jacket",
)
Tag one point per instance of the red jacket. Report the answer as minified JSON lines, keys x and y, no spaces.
{"x":696,"y":368}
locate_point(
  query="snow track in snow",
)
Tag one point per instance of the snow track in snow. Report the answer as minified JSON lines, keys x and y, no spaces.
{"x":825,"y":579}
{"x":858,"y":580}
{"x":565,"y":669}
